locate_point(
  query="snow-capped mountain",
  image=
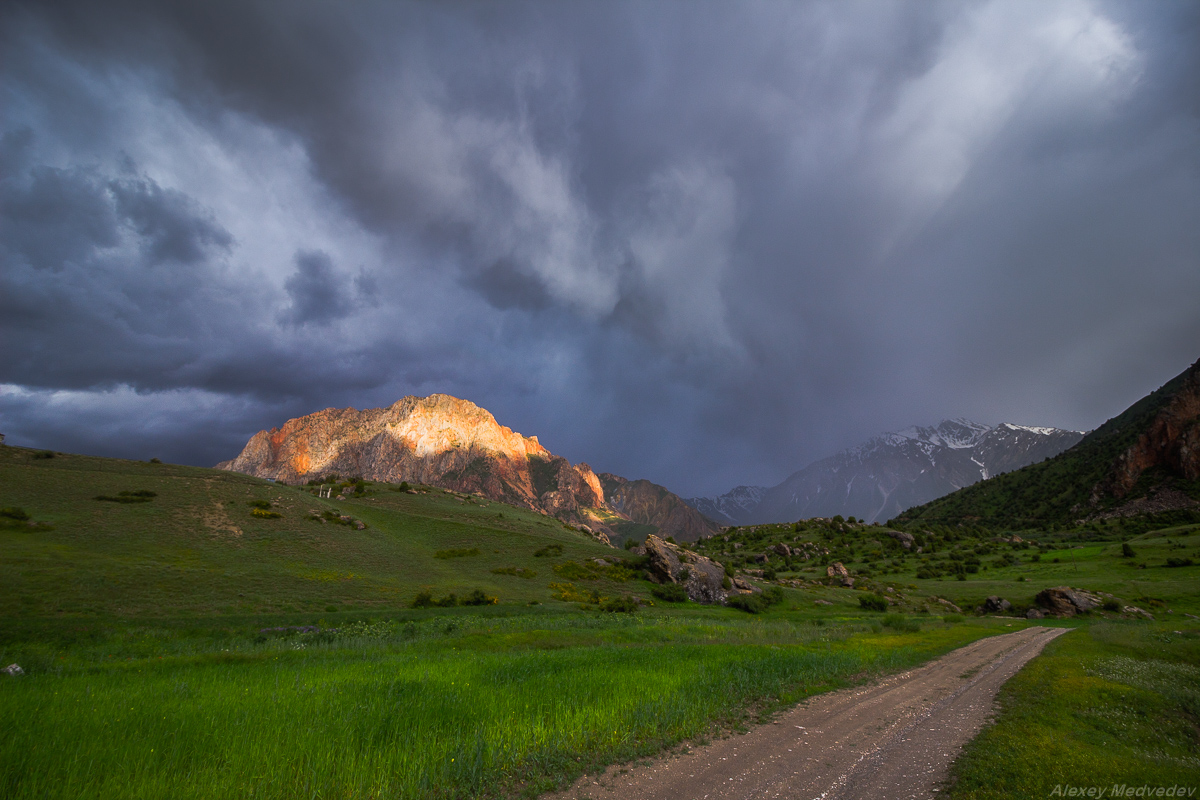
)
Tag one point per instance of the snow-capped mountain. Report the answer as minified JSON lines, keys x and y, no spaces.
{"x":885,"y":475}
{"x":737,"y":503}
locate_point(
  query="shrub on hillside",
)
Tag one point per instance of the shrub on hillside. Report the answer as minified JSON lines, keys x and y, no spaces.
{"x":478,"y":598}
{"x":625,"y":604}
{"x":549,"y":551}
{"x":750,"y":603}
{"x":873,"y":602}
{"x":670,"y":593}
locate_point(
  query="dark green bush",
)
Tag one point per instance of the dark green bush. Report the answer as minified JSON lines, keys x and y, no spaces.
{"x":44,"y":454}
{"x":1179,"y":562}
{"x":670,"y":592}
{"x":263,"y":504}
{"x":773,"y":596}
{"x":424,"y":599}
{"x":625,"y":604}
{"x":1127,"y":551}
{"x":478,"y":598}
{"x":549,"y":551}
{"x":750,"y":603}
{"x":520,"y":572}
{"x":1111,"y":605}
{"x":14,"y":513}
{"x":873,"y":602}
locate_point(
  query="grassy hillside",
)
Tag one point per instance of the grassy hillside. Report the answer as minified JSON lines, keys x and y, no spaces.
{"x":197,"y":546}
{"x":1058,"y":490}
{"x":968,"y":564}
{"x":198,"y":633}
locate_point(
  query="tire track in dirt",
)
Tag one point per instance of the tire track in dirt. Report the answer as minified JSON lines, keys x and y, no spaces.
{"x":894,"y":739}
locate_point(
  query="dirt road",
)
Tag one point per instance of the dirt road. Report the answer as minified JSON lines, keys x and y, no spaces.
{"x":891,"y":740}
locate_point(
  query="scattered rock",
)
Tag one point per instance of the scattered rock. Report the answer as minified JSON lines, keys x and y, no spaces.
{"x":1139,"y":612}
{"x":838,"y":572}
{"x":783,"y":550}
{"x":995,"y":605}
{"x":949,"y":606}
{"x":823,"y":602}
{"x":761,"y":558}
{"x":905,"y":539}
{"x":359,"y":525}
{"x":1063,"y":601}
{"x":1034,"y":613}
{"x":744,"y":586}
{"x":14,"y":670}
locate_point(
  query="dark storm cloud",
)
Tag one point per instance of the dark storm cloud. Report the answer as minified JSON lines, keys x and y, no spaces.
{"x":700,"y":243}
{"x":317,"y":294}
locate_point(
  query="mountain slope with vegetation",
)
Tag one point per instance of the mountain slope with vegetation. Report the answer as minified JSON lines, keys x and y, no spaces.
{"x":1146,"y":460}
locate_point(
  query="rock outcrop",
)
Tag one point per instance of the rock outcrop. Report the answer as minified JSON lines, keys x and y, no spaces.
{"x":995,"y":605}
{"x":837,"y":572}
{"x":1171,"y":441}
{"x":701,"y":577}
{"x":1063,"y":601}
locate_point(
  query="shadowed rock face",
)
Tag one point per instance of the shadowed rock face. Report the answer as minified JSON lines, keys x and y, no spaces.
{"x":651,"y":504}
{"x":1172,"y":441}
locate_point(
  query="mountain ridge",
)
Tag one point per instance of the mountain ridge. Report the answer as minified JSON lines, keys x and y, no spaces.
{"x":891,"y":472}
{"x":445,"y":441}
{"x":1145,"y":460}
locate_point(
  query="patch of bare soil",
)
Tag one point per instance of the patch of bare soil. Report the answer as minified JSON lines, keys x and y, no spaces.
{"x":216,"y":518}
{"x":891,"y":740}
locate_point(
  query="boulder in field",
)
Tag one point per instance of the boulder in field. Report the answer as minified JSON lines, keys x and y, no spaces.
{"x":700,"y":577}
{"x":1063,"y":601}
{"x":994,"y":605}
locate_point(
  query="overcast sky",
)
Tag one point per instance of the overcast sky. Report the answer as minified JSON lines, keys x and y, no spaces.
{"x":701,"y":243}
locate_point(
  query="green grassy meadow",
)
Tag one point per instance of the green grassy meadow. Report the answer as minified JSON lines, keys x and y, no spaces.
{"x":199,"y":633}
{"x":1111,"y":704}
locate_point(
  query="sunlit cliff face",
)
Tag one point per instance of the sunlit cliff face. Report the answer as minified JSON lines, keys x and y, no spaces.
{"x":438,"y":440}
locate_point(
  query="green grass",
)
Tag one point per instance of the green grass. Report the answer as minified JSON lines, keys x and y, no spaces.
{"x":439,"y":706}
{"x":201,"y":545}
{"x":183,"y":646}
{"x":1106,"y":705}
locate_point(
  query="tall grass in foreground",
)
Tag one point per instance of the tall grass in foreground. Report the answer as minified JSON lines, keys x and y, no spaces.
{"x":453,"y":717}
{"x":1112,"y":704}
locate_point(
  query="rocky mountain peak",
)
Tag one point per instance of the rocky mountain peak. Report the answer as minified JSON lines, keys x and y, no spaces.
{"x":446,"y":441}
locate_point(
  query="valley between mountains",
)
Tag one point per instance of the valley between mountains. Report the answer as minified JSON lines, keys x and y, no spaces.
{"x":418,"y":602}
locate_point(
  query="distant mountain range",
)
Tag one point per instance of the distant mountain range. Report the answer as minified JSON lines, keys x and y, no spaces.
{"x":882,"y":477}
{"x":1145,"y":461}
{"x":452,"y":443}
